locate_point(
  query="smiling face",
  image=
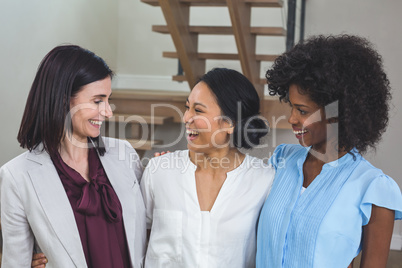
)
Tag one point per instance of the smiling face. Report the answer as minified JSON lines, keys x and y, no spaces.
{"x":89,"y":108}
{"x":308,"y":120}
{"x":207,"y":131}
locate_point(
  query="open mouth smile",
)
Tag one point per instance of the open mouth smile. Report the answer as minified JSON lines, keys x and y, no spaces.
{"x":192,"y":134}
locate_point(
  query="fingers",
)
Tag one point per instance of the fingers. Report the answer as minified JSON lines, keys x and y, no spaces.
{"x":39,"y":266}
{"x":160,"y":153}
{"x":39,"y":260}
{"x":38,"y":256}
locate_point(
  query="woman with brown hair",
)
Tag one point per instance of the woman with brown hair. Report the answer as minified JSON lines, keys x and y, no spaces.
{"x":73,"y":195}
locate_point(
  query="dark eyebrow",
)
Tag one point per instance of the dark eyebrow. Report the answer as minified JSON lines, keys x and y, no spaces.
{"x":197,"y":103}
{"x":300,"y":105}
{"x":101,"y":96}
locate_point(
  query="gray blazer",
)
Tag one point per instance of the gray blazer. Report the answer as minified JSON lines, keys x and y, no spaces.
{"x":36,"y":212}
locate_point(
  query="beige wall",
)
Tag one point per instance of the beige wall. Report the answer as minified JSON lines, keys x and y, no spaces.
{"x":31,"y":28}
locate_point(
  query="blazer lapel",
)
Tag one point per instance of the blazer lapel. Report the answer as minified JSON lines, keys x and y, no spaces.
{"x":120,"y":180}
{"x":56,"y":206}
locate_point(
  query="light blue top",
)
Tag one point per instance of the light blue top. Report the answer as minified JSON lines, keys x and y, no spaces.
{"x":322,"y":227}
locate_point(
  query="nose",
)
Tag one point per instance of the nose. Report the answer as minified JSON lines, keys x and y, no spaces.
{"x":292,"y":118}
{"x":106,"y":110}
{"x":187,"y":117}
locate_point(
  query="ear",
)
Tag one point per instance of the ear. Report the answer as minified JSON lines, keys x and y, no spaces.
{"x":230,"y":129}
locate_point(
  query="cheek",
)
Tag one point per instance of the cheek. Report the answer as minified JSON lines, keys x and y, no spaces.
{"x":203,"y":123}
{"x":83,"y":115}
{"x":77,"y":120}
{"x":320,"y":132}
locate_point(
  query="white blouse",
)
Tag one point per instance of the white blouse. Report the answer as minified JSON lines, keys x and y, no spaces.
{"x":184,"y":236}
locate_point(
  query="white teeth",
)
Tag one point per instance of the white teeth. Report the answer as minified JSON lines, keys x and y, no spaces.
{"x":99,"y":123}
{"x":299,"y":132}
{"x":189,"y":131}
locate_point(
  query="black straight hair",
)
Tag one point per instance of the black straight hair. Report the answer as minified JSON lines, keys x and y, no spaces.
{"x":239,"y":101}
{"x":60,"y":76}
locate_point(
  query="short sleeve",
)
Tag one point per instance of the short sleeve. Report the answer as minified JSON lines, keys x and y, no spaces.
{"x":284,"y":152}
{"x":147,"y":192}
{"x":277,"y":157}
{"x":382,"y":192}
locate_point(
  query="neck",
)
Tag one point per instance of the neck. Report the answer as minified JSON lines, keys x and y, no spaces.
{"x":218,"y":161}
{"x":326,"y":153}
{"x":73,"y":150}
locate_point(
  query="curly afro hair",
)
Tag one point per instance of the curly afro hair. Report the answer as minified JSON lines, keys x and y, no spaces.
{"x":340,"y":68}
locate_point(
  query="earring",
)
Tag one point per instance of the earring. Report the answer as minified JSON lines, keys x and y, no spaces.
{"x":333,"y":120}
{"x":230,"y":130}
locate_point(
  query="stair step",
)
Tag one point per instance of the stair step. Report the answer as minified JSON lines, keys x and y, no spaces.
{"x":224,"y":30}
{"x":155,"y":120}
{"x":221,"y":56}
{"x":148,"y":95}
{"x":141,"y":145}
{"x":182,"y":78}
{"x":253,"y":3}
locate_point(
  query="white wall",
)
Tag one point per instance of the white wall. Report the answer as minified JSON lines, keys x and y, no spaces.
{"x":31,"y":28}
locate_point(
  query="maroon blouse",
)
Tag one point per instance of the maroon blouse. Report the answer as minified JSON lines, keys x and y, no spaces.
{"x":97,"y":212}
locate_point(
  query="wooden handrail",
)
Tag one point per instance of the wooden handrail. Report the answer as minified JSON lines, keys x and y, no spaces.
{"x":221,"y":56}
{"x":224,"y":30}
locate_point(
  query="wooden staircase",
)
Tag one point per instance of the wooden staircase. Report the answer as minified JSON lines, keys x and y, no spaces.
{"x":135,"y":117}
{"x":137,"y":114}
{"x":185,"y":36}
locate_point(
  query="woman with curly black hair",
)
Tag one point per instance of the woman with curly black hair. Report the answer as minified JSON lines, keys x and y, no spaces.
{"x":327,"y":202}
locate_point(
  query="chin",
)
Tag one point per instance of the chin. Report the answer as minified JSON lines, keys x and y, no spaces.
{"x":193,"y":148}
{"x":304,"y":144}
{"x":196,"y":148}
{"x":93,"y":135}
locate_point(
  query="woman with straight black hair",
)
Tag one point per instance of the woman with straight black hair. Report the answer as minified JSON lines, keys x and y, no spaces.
{"x":73,"y":195}
{"x":203,"y":203}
